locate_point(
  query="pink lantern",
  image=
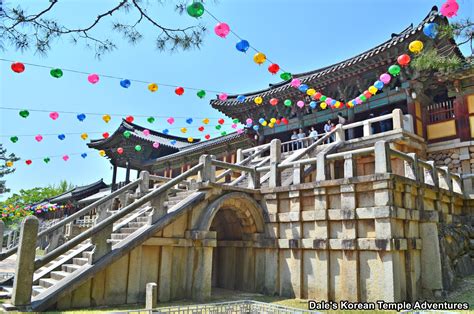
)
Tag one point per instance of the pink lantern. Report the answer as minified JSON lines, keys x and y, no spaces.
{"x":249,"y":121}
{"x":385,"y":78}
{"x":240,"y":131}
{"x":295,"y":83}
{"x":358,"y":100}
{"x":156,"y":145}
{"x":449,"y":8}
{"x":38,"y":138}
{"x":65,"y":157}
{"x":54,"y":115}
{"x":170,"y":120}
{"x":223,"y":96}
{"x":300,"y":103}
{"x":146,"y":132}
{"x":222,"y":30}
{"x":93,"y":78}
{"x":234,"y":126}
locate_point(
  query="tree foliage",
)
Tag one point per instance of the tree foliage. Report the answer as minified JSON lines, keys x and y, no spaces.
{"x":25,"y":30}
{"x":4,"y":169}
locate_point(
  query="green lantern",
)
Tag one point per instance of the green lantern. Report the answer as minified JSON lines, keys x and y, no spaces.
{"x":236,"y":121}
{"x":224,"y":133}
{"x":287,"y":102}
{"x":47,"y":159}
{"x":14,"y":139}
{"x":150,"y":120}
{"x":323,"y":98}
{"x":218,"y":127}
{"x":127,"y":134}
{"x":56,"y":73}
{"x":138,"y":148}
{"x":394,"y":70}
{"x":201,"y":94}
{"x":195,"y":9}
{"x":286,"y":76}
{"x":24,"y":113}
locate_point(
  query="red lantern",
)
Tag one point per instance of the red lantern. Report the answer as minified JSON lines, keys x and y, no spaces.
{"x":278,"y":121}
{"x":28,"y":162}
{"x":179,"y":91}
{"x":367,"y":94}
{"x":403,"y":60}
{"x":274,"y":68}
{"x":285,"y":121}
{"x":201,"y":128}
{"x":129,"y":119}
{"x":18,"y":67}
{"x":274,"y":101}
{"x":105,"y":135}
{"x":317,"y":96}
{"x":207,"y":136}
{"x":221,"y":121}
{"x":120,"y":150}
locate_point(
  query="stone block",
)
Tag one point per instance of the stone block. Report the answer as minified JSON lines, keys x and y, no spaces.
{"x":315,"y":275}
{"x":151,"y":295}
{"x":290,"y":273}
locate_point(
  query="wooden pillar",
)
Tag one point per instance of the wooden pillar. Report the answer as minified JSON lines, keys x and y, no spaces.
{"x":114,"y":178}
{"x":462,"y":118}
{"x":127,"y":173}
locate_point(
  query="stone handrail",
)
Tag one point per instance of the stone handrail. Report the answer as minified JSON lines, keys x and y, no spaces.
{"x":396,"y":116}
{"x":86,"y":210}
{"x":109,"y":221}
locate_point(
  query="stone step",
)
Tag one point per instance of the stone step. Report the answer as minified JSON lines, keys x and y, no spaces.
{"x":37,"y":290}
{"x":119,"y":236}
{"x":113,"y":241}
{"x":136,"y":224}
{"x":70,"y":268}
{"x":80,"y":261}
{"x":142,"y":219}
{"x":58,"y":275}
{"x":47,"y":282}
{"x":128,"y":230}
{"x":87,"y":254}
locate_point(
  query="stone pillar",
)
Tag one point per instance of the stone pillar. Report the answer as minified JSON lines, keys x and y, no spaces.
{"x":158,"y":208}
{"x":397,"y":116}
{"x":239,"y":156}
{"x":24,"y":269}
{"x":275,"y":159}
{"x":114,"y":178}
{"x":144,"y":184}
{"x":349,"y":166}
{"x":298,"y":174}
{"x":382,"y":157}
{"x":431,"y":176}
{"x":444,"y":180}
{"x":431,"y":274}
{"x":350,"y":119}
{"x":127,"y":173}
{"x":367,"y":128}
{"x":254,"y":180}
{"x":321,"y":166}
{"x":340,"y":136}
{"x":412,"y":169}
{"x":208,"y":172}
{"x":151,"y":295}
{"x":2,"y":228}
{"x":202,"y":269}
{"x":101,"y":244}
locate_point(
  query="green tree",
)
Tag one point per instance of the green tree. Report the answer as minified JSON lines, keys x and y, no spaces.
{"x":38,"y":194}
{"x":430,"y":59}
{"x":4,"y":169}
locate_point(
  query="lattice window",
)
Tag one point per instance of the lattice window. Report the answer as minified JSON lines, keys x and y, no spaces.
{"x":440,"y":111}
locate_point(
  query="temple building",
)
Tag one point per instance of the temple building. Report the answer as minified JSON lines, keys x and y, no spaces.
{"x":437,"y":103}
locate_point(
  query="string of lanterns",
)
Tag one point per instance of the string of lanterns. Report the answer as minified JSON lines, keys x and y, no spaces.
{"x":196,"y":9}
{"x":94,"y":78}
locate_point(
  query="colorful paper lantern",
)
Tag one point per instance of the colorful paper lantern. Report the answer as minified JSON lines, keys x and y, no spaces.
{"x":222,"y":29}
{"x":295,"y":83}
{"x":156,"y":144}
{"x":189,"y":120}
{"x":241,"y":98}
{"x":84,"y":136}
{"x":83,"y":155}
{"x":120,"y":150}
{"x":205,"y":120}
{"x":317,"y":96}
{"x":300,"y":103}
{"x":146,"y":132}
{"x":286,"y":76}
{"x":207,"y":136}
{"x":242,"y":45}
{"x":259,"y":58}
{"x":223,"y":96}
{"x":201,"y":94}
{"x":313,"y":104}
{"x":38,"y":138}
{"x":93,"y":78}
{"x":152,"y":87}
{"x":195,"y":9}
{"x":221,"y":121}
{"x":105,"y":135}
{"x":166,"y":131}
{"x":47,"y":159}
{"x":379,"y":85}
{"x":311,"y":92}
{"x":258,"y":100}
{"x":9,"y":163}
{"x":273,"y":68}
{"x":323,"y":105}
{"x":81,"y":117}
{"x":394,"y":70}
{"x":14,"y":139}
{"x":385,"y":78}
{"x":303,"y":88}
{"x":190,"y":139}
{"x":150,"y":119}
{"x":138,"y":148}
{"x":274,"y":101}
{"x":201,"y":129}
{"x":179,"y":91}
{"x":287,"y":102}
{"x":127,"y":134}
{"x":416,"y":46}
{"x":403,"y":60}
{"x":170,"y":120}
{"x":28,"y":162}
{"x":24,"y":113}
{"x":18,"y":67}
{"x":373,"y":90}
{"x":129,"y":119}
{"x":125,"y":83}
{"x":106,"y":118}
{"x":431,"y":30}
{"x":449,"y":8}
{"x":184,"y":130}
{"x":56,"y":73}
{"x":102,"y":153}
{"x":62,"y":137}
{"x":65,"y":157}
{"x":54,"y":115}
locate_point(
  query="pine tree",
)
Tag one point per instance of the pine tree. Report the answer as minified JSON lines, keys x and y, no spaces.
{"x":4,"y":169}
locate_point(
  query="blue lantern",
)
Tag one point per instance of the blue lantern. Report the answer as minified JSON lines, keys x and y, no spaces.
{"x":255,"y":127}
{"x":242,"y":45}
{"x":166,"y":131}
{"x":378,"y":85}
{"x":61,"y":136}
{"x":83,"y":155}
{"x":189,"y":121}
{"x":431,"y":30}
{"x":313,"y":104}
{"x":333,"y":102}
{"x":81,"y":117}
{"x":303,"y":88}
{"x":125,"y":83}
{"x":241,"y":98}
{"x":173,"y":142}
{"x":261,"y":120}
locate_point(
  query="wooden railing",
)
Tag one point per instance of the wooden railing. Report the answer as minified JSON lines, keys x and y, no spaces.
{"x":441,"y":111}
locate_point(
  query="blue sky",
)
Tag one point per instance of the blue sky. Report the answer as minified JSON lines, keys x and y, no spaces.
{"x":298,"y":35}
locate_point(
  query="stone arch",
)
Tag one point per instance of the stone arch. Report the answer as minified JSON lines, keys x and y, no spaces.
{"x":245,"y":207}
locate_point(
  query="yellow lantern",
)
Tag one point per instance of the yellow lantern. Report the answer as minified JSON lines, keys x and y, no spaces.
{"x":270,"y":125}
{"x":264,"y":123}
{"x":337,"y":104}
{"x":311,"y":92}
{"x":273,"y":120}
{"x":190,"y":139}
{"x":323,"y":105}
{"x":416,"y":46}
{"x":350,"y":104}
{"x":9,"y":163}
{"x":258,"y":100}
{"x":373,"y":90}
{"x":106,"y":118}
{"x":84,"y":136}
{"x":184,"y":130}
{"x":102,"y":153}
{"x":259,"y":58}
{"x":152,"y":87}
{"x":205,"y":121}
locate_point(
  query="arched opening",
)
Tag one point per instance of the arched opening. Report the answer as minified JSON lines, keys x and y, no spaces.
{"x":238,"y":222}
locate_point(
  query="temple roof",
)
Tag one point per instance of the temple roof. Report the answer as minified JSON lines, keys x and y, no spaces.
{"x":79,"y":192}
{"x":380,"y":55}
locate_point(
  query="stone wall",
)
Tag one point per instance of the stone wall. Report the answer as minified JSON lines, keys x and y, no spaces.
{"x":453,"y":158}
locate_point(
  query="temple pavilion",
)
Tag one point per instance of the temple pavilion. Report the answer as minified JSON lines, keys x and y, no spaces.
{"x":437,"y":102}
